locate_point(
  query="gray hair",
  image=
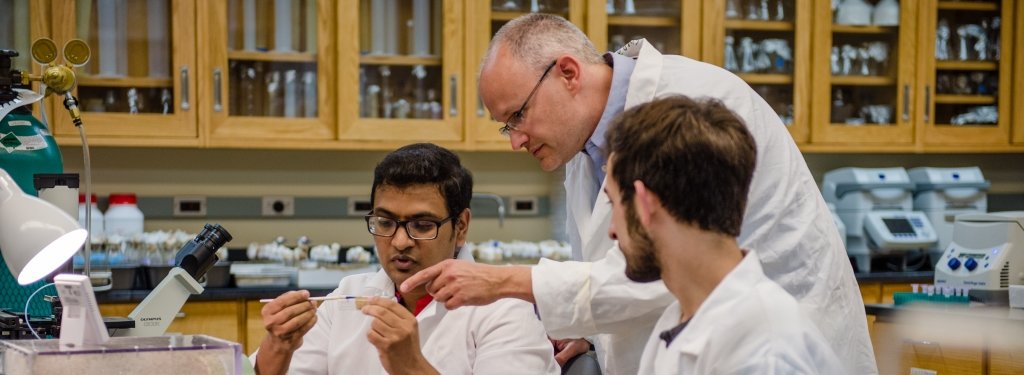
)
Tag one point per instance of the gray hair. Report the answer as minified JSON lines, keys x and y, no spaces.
{"x":536,"y":39}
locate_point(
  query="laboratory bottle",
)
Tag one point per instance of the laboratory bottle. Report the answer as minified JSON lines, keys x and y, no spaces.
{"x":97,"y":216}
{"x":123,"y":216}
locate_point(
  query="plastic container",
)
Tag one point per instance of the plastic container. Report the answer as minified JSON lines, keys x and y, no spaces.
{"x":123,"y":216}
{"x":97,"y":216}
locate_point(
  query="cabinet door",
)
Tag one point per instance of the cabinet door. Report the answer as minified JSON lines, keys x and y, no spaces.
{"x":267,"y":72}
{"x":400,"y":72}
{"x":768,"y":45}
{"x":863,"y":75}
{"x":137,"y":89}
{"x":485,"y":18}
{"x":964,"y":83}
{"x":673,"y":27}
{"x":1018,"y":83}
{"x":21,"y":23}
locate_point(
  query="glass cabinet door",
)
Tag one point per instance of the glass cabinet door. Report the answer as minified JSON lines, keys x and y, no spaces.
{"x":1018,"y":84}
{"x":21,"y":23}
{"x":137,"y":84}
{"x":767,"y":43}
{"x":485,"y":18}
{"x":965,"y":85}
{"x":863,"y":72}
{"x":400,"y":72}
{"x":267,"y":72}
{"x":672,"y":26}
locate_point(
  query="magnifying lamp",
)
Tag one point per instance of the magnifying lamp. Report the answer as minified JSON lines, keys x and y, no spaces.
{"x":36,"y":237}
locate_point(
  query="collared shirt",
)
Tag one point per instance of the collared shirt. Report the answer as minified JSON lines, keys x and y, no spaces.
{"x":622,"y":69}
{"x":670,"y":334}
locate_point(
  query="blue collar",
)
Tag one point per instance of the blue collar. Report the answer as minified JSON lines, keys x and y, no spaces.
{"x":622,"y":69}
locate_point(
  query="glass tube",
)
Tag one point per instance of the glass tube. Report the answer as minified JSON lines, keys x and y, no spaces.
{"x":249,"y":25}
{"x":378,"y":25}
{"x":106,"y":12}
{"x":421,"y":27}
{"x":282,"y":26}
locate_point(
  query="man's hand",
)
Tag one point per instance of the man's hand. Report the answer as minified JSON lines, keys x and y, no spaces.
{"x":568,"y":348}
{"x":287,"y":318}
{"x":395,"y":334}
{"x":460,"y":283}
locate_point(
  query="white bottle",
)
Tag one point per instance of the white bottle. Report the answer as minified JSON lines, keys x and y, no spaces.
{"x":123,"y":216}
{"x":97,"y":216}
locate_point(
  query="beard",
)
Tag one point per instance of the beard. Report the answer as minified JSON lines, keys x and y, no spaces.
{"x":641,"y":263}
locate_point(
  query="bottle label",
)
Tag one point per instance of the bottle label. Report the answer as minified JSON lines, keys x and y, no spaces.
{"x":10,"y":142}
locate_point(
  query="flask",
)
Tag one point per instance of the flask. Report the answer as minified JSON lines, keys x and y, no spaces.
{"x":123,"y":216}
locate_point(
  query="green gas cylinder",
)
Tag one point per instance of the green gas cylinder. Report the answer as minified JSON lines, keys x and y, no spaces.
{"x":26,"y":148}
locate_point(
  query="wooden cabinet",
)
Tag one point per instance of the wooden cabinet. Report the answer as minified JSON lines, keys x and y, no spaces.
{"x":770,"y":49}
{"x":139,"y":87}
{"x":253,"y":326}
{"x":863,"y":80}
{"x":485,"y":18}
{"x":931,"y":83}
{"x":400,"y":76}
{"x":221,"y":319}
{"x":267,"y":73}
{"x":964,"y":76}
{"x":1018,"y":83}
{"x":671,"y":26}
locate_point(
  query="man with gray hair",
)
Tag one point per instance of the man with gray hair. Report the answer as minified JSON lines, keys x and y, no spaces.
{"x":562,"y":120}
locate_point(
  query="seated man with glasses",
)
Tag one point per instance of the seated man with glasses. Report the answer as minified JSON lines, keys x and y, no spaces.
{"x":420,"y":198}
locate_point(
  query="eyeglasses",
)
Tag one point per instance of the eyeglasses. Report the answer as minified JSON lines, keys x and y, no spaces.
{"x":417,"y":229}
{"x":516,"y":117}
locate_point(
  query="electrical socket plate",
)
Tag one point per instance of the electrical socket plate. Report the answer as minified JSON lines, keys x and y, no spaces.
{"x":523,"y":206}
{"x":190,"y":206}
{"x":359,"y":206}
{"x":278,"y":205}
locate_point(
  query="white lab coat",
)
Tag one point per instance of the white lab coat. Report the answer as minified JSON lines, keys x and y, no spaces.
{"x":501,"y":338}
{"x":747,"y":325}
{"x":786,"y":220}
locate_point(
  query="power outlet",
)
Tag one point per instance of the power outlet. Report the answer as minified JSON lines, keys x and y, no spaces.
{"x":278,"y":206}
{"x":189,"y":206}
{"x":524,"y":206}
{"x":359,"y":206}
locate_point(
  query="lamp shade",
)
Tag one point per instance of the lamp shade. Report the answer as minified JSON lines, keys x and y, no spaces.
{"x":36,"y":237}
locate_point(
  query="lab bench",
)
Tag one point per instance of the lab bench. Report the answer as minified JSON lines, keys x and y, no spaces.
{"x":949,"y":339}
{"x":229,"y":313}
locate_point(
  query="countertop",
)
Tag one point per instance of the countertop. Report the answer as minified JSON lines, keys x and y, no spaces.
{"x":220,"y":294}
{"x":211,"y":294}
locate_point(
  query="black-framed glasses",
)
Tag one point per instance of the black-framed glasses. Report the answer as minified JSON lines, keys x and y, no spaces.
{"x":417,"y":229}
{"x":512,"y":123}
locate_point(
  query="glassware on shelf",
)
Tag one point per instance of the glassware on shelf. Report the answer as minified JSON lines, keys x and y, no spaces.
{"x":283,"y":26}
{"x":730,"y":55}
{"x":274,"y":105}
{"x":134,"y":103}
{"x":854,"y":12}
{"x":942,"y":34}
{"x":980,"y":115}
{"x":834,"y":59}
{"x":166,"y":101}
{"x":291,"y":93}
{"x":421,"y":28}
{"x":309,"y":108}
{"x":747,"y":64}
{"x":159,"y":48}
{"x":886,"y":13}
{"x":732,"y":9}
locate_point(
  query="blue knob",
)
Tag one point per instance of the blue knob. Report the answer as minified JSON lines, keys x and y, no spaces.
{"x":953,"y":264}
{"x":971,"y":264}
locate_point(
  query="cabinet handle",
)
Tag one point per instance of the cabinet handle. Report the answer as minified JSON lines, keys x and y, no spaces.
{"x":453,"y":107}
{"x":184,"y":89}
{"x":927,"y":102}
{"x":906,"y":102}
{"x":217,"y":107}
{"x":480,"y":107}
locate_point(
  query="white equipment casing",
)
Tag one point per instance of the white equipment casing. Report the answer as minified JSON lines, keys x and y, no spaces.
{"x":857,"y":191}
{"x":899,"y":230}
{"x":81,"y":322}
{"x":986,"y":252}
{"x":944,"y":193}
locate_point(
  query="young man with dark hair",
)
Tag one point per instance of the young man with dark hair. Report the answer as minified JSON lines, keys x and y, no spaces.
{"x":420,"y":217}
{"x":678,"y":176}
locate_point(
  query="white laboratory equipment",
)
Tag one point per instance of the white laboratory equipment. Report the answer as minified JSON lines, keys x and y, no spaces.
{"x":944,"y":193}
{"x":875,"y":205}
{"x":985,"y":255}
